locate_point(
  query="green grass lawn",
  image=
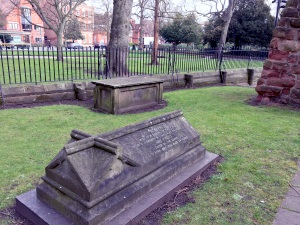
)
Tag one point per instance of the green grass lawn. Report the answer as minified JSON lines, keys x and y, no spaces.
{"x":261,"y":146}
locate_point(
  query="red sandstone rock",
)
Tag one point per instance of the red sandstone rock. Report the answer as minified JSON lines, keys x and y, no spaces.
{"x":290,"y":12}
{"x":295,"y":23}
{"x":280,"y":66}
{"x":268,"y":64}
{"x":295,"y":93}
{"x":285,"y":91}
{"x":274,"y":43}
{"x":278,"y":55}
{"x":292,"y":58}
{"x":290,"y":45}
{"x":268,"y":91}
{"x":278,"y":82}
{"x":265,"y":100}
{"x":261,"y":81}
{"x":280,"y":32}
{"x":284,"y":22}
{"x":269,"y":73}
{"x":292,"y":3}
{"x":296,"y":69}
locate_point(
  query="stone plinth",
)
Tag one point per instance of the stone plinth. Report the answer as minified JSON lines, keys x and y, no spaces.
{"x":280,"y":78}
{"x":120,"y":95}
{"x":94,"y":179}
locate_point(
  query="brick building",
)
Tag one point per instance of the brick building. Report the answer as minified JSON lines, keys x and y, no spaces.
{"x":136,"y":31}
{"x":20,"y":29}
{"x":93,"y":32}
{"x":101,"y":25}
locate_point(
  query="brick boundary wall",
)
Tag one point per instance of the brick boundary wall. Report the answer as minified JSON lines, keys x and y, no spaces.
{"x":82,"y":90}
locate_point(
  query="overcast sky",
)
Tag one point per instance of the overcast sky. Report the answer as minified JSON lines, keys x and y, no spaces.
{"x":201,"y":7}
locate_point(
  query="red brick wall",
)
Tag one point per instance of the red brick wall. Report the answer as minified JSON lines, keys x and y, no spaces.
{"x":14,"y":16}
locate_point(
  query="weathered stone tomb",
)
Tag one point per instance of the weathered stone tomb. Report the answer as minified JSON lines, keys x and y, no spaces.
{"x":94,"y":179}
{"x":125,"y":94}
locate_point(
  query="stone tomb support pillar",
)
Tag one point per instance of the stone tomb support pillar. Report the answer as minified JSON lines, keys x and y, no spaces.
{"x":280,"y":78}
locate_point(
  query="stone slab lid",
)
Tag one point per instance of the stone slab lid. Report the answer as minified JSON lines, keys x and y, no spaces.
{"x":127,"y":81}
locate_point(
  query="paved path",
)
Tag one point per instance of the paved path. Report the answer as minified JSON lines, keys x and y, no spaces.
{"x":289,"y":211}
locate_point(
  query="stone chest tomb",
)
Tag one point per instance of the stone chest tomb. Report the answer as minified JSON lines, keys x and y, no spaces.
{"x":121,"y":95}
{"x":99,"y":179}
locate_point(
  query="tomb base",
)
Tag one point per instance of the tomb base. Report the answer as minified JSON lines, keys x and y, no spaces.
{"x":29,"y":206}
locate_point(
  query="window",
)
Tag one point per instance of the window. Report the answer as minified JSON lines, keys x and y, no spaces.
{"x":26,"y":27}
{"x":90,"y":14}
{"x":38,"y":28}
{"x":77,"y":12}
{"x":13,"y":26}
{"x":26,"y":38}
{"x":83,"y":26}
{"x":83,"y":13}
{"x":26,"y":19}
{"x":38,"y":40}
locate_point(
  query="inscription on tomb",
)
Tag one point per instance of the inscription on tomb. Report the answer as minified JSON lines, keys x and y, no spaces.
{"x":162,"y":138}
{"x":158,"y":141}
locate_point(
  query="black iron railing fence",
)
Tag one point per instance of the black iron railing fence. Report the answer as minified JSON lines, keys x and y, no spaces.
{"x":38,"y":65}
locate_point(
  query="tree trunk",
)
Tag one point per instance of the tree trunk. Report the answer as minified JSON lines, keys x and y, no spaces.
{"x":156,"y":28}
{"x":59,"y":35}
{"x":118,"y":45}
{"x":141,"y":42}
{"x":227,"y":19}
{"x":107,"y":28}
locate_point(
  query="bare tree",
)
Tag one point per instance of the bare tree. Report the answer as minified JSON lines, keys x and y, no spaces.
{"x":120,"y":29}
{"x":54,"y":13}
{"x":226,"y":17}
{"x":223,"y":9}
{"x":162,"y":10}
{"x":141,"y":13}
{"x":154,"y":60}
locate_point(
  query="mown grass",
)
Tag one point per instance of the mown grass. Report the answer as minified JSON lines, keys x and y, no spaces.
{"x":260,"y":146}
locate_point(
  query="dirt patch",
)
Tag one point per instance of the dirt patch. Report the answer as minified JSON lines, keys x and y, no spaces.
{"x":253,"y":101}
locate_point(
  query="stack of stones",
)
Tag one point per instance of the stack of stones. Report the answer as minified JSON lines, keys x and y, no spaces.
{"x":280,"y":79}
